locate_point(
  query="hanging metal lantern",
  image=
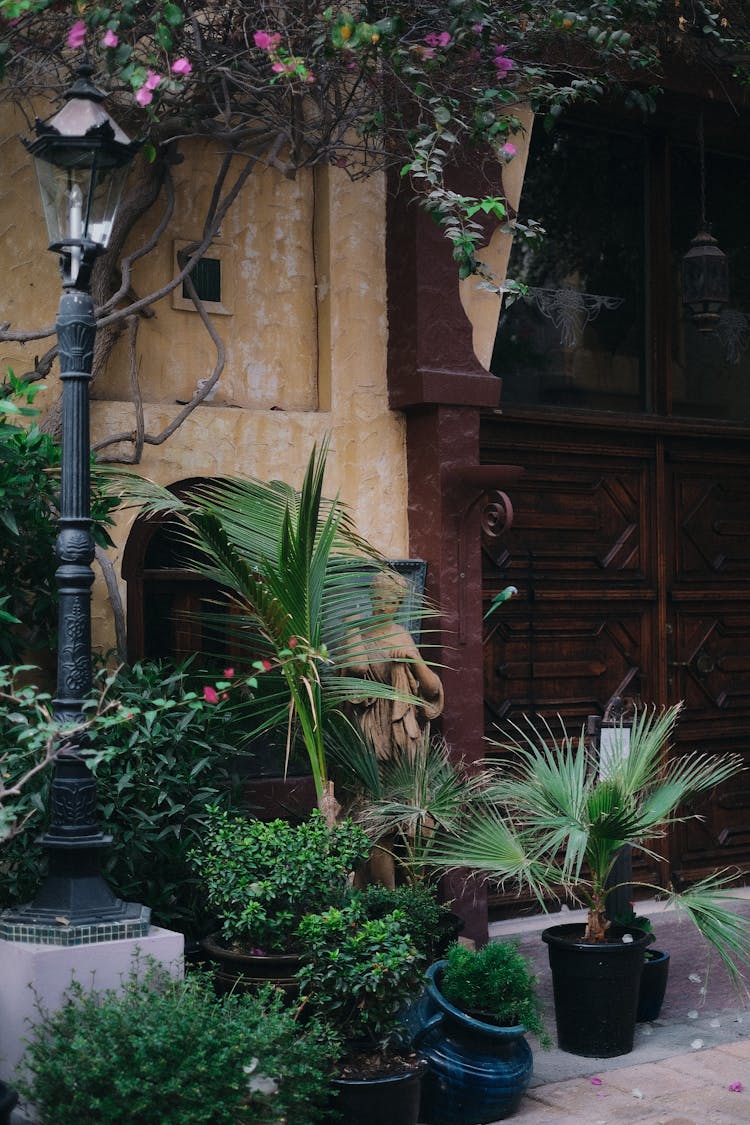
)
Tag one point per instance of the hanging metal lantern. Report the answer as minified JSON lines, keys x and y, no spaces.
{"x":705,"y":281}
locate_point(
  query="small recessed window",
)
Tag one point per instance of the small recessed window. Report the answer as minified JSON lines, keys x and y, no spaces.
{"x":206,"y":278}
{"x":212,"y":276}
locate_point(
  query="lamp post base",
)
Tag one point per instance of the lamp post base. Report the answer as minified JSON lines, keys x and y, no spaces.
{"x":74,"y":905}
{"x":30,"y":925}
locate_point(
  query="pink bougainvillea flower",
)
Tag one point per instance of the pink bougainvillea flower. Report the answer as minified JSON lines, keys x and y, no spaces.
{"x":509,"y":149}
{"x":209,"y":694}
{"x":152,"y":80}
{"x":110,"y":38}
{"x":279,"y":67}
{"x":266,"y":40}
{"x":77,"y":35}
{"x":477,"y":28}
{"x":182,"y":67}
{"x":596,"y":1081}
{"x":292,"y":642}
{"x":435,"y":39}
{"x":144,"y":96}
{"x":228,"y":673}
{"x":503,"y":65}
{"x":267,"y":665}
{"x":736,"y":1087}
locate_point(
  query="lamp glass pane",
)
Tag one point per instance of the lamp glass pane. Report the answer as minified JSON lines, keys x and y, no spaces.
{"x":69,"y":213}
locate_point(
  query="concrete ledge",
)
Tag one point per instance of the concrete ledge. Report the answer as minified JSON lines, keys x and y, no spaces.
{"x":32,"y":974}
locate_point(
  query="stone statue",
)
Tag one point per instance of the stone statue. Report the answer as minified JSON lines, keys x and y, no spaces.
{"x":386,"y":653}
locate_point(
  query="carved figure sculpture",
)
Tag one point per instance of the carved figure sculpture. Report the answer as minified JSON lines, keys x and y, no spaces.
{"x":385,"y":652}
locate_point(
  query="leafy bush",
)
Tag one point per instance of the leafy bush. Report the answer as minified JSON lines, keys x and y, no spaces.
{"x":168,"y":766}
{"x":261,"y":878}
{"x":167,"y":763}
{"x":495,"y":981}
{"x":359,"y":972}
{"x":418,"y":905}
{"x":166,"y":1052}
{"x":28,"y":511}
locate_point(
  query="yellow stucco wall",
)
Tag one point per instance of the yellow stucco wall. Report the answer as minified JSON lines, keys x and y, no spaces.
{"x":303,"y":266}
{"x":306,"y":341}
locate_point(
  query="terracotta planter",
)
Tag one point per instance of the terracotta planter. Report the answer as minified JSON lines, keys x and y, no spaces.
{"x":245,"y":971}
{"x":477,"y":1072}
{"x":596,"y":989}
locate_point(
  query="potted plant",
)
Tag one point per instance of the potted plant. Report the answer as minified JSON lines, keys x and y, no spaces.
{"x":162,"y":1051}
{"x":431,"y":924}
{"x":260,"y":878}
{"x":551,"y":822}
{"x":471,"y":1028}
{"x":406,"y":803}
{"x":358,"y":973}
{"x":655,"y":974}
{"x":298,"y":576}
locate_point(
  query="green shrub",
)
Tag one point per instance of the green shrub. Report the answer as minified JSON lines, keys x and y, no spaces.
{"x":359,"y":972}
{"x":495,"y":981}
{"x":28,"y":528}
{"x":169,"y":766}
{"x":418,"y":905}
{"x":168,"y":763}
{"x":165,"y":1052}
{"x":261,"y":878}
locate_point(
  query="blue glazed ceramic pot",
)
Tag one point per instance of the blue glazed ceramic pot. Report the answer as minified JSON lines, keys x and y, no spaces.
{"x":476,"y":1072}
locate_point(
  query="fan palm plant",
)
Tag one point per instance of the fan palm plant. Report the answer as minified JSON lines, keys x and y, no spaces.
{"x":407,"y":802}
{"x":553,"y":820}
{"x":298,"y":575}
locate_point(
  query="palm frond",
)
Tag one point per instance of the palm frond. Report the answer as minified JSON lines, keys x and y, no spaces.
{"x":707,"y":904}
{"x":491,"y":845}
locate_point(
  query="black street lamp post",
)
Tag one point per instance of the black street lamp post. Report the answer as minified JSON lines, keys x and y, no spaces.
{"x":82,"y":159}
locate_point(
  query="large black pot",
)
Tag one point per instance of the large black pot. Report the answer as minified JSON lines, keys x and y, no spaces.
{"x":393,"y":1100}
{"x":653,"y":985}
{"x":8,"y":1101}
{"x":596,"y":988}
{"x":246,"y":972}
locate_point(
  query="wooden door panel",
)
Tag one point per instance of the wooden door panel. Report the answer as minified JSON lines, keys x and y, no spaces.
{"x":633,"y":577}
{"x":718,"y":833}
{"x":555,"y":660}
{"x":578,"y":521}
{"x":710,"y":668}
{"x":712,"y":524}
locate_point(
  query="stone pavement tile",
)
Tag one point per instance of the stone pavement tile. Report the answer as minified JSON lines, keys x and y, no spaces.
{"x":740,"y":1049}
{"x":716,"y":1067}
{"x":714,"y":1106}
{"x":652,"y":1079}
{"x":579,"y":1096}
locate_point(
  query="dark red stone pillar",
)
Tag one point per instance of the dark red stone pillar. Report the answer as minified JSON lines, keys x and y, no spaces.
{"x":435,"y":378}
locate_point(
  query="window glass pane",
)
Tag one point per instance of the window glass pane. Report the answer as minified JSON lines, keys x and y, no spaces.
{"x":711,"y":370}
{"x":577,"y":337}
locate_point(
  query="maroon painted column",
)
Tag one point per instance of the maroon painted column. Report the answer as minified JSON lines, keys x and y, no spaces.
{"x":435,"y":378}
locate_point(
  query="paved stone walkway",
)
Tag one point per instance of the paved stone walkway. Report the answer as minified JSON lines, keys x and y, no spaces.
{"x":687,"y":1089}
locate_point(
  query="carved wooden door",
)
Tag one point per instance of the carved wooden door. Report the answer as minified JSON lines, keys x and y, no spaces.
{"x":630,"y":549}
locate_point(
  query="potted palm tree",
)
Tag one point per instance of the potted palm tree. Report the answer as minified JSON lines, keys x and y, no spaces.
{"x":299,"y":578}
{"x":553,"y":823}
{"x":407,"y":803}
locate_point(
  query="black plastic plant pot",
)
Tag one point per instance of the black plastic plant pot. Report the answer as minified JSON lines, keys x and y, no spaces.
{"x":8,"y":1102}
{"x":653,"y":985}
{"x":393,"y":1100}
{"x":596,"y":988}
